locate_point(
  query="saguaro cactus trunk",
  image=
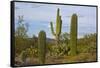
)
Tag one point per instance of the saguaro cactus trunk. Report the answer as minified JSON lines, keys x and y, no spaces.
{"x":58,"y":27}
{"x":42,"y":47}
{"x":73,"y":35}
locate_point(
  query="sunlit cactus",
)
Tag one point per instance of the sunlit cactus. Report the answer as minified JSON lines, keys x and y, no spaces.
{"x":42,"y":47}
{"x":57,"y":31}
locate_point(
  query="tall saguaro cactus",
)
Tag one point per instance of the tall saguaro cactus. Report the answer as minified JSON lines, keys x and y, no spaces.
{"x":58,"y":27}
{"x":73,"y":35}
{"x":42,"y":47}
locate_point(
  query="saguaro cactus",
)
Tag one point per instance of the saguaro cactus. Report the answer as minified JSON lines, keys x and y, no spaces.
{"x":73,"y":35}
{"x":42,"y":47}
{"x":58,"y":26}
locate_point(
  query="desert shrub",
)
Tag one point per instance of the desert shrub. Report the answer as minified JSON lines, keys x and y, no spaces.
{"x":21,"y":44}
{"x":28,"y":53}
{"x":87,"y":44}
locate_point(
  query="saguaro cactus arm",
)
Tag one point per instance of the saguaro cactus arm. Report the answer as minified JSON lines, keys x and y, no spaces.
{"x":52,"y":29}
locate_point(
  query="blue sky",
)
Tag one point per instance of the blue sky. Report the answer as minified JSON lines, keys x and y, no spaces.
{"x":38,"y":16}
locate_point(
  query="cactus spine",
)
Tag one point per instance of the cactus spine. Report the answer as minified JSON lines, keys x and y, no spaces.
{"x":42,"y":47}
{"x":73,"y":35}
{"x":58,"y":27}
